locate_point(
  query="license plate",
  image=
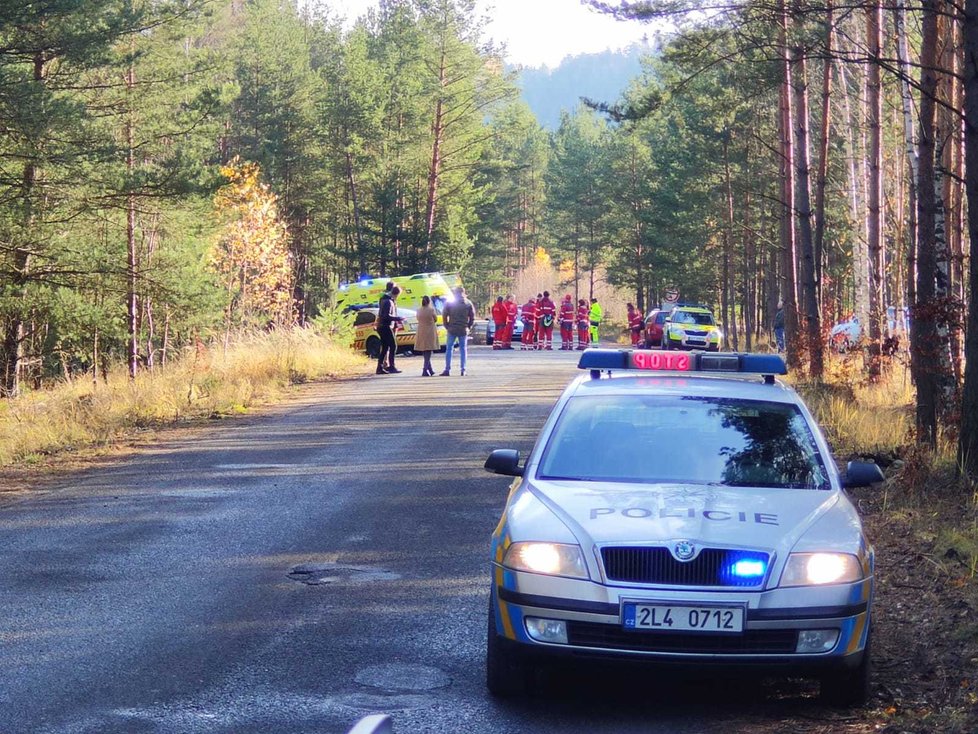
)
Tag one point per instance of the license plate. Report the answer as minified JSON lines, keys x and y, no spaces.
{"x":680,"y":618}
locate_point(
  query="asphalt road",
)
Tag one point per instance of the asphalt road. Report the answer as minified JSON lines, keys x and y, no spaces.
{"x":295,"y":570}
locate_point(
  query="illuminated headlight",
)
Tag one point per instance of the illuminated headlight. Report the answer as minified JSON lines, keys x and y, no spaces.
{"x":814,"y":569}
{"x":553,"y":559}
{"x":547,"y":630}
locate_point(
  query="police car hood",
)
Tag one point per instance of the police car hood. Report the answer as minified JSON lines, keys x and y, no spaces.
{"x":605,"y":513}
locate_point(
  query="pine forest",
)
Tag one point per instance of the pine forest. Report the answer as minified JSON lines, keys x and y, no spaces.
{"x":176,"y":171}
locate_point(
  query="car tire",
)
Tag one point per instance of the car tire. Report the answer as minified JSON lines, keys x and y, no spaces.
{"x":372,"y":347}
{"x":506,"y":674}
{"x":488,"y":340}
{"x":846,"y":688}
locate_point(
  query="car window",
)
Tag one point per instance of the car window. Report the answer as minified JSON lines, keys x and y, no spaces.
{"x":690,"y":317}
{"x":657,"y":438}
{"x":364,"y":317}
{"x":660,"y":318}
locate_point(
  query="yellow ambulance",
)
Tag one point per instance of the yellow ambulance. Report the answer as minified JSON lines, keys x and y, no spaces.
{"x":367,"y":292}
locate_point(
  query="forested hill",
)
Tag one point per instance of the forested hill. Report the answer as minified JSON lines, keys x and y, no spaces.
{"x":599,"y":76}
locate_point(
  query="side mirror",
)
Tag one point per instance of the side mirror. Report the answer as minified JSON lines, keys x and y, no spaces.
{"x":505,"y":461}
{"x":862,"y":474}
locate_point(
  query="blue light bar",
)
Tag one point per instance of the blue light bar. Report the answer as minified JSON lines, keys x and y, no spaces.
{"x":673,"y":361}
{"x":747,"y":568}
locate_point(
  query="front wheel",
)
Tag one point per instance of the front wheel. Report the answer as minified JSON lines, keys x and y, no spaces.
{"x":506,"y":675}
{"x":845,"y":688}
{"x":373,"y":347}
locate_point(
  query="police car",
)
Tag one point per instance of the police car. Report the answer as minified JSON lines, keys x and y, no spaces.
{"x":681,"y":507}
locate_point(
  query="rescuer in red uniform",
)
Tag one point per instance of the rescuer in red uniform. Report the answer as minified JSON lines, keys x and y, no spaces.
{"x":546,"y":315}
{"x":635,"y":323}
{"x":529,"y":322}
{"x":511,"y":311}
{"x":499,"y":320}
{"x":567,"y":323}
{"x":583,"y":323}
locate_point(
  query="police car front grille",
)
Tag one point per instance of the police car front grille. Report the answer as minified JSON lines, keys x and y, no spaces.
{"x":613,"y":637}
{"x":655,"y":565}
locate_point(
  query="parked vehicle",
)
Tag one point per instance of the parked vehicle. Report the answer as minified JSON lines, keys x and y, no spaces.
{"x":653,"y":327}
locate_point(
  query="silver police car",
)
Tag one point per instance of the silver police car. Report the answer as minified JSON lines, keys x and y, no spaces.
{"x":681,"y":508}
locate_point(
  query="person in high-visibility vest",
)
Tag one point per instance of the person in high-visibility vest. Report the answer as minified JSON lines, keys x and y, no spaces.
{"x":635,"y":323}
{"x":583,"y":324}
{"x":546,"y":315}
{"x":567,"y":323}
{"x":595,"y":316}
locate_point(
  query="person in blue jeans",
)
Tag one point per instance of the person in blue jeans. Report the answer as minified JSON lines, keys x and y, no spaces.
{"x":458,"y":317}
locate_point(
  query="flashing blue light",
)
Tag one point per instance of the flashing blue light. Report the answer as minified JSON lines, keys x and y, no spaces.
{"x":671,"y":361}
{"x":749,"y":568}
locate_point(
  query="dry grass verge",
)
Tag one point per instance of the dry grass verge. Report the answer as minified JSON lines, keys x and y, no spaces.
{"x":205,"y":381}
{"x":923,"y":522}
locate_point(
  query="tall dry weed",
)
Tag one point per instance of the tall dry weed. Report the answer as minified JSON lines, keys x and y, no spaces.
{"x":206,"y":380}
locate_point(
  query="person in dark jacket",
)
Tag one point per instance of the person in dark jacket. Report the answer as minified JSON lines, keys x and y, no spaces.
{"x":387,"y":322}
{"x":779,"y":326}
{"x":458,"y":317}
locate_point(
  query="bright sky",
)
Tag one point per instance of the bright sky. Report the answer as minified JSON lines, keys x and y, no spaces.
{"x":539,"y":32}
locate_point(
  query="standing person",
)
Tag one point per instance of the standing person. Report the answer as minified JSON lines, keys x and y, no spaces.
{"x":635,"y":323}
{"x":511,"y":312}
{"x":529,"y":322}
{"x":779,"y":327}
{"x":546,"y":315}
{"x":583,"y":323}
{"x":567,"y":323}
{"x":426,"y":340}
{"x":458,"y":317}
{"x":595,"y":316}
{"x":387,"y":321}
{"x":499,"y":321}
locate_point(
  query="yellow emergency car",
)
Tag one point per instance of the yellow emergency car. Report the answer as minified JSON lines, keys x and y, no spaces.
{"x":367,"y":292}
{"x":691,"y":327}
{"x":367,"y":339}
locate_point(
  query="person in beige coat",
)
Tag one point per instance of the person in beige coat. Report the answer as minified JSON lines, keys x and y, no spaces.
{"x":426,"y":340}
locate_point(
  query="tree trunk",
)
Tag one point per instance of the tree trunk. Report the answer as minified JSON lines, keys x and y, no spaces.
{"x":803,"y":209}
{"x":912,"y":163}
{"x":13,"y":341}
{"x":361,"y":250}
{"x":434,"y":170}
{"x":968,"y":441}
{"x":788,"y":258}
{"x":727,"y":308}
{"x":132,"y":305}
{"x":923,"y":331}
{"x":823,"y":151}
{"x":874,"y":122}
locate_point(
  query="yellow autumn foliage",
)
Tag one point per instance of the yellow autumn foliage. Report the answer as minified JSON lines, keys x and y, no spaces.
{"x":251,"y":255}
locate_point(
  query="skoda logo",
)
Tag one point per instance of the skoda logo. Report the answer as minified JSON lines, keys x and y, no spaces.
{"x":685,"y":550}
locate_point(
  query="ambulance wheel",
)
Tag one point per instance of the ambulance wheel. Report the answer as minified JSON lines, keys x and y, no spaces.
{"x":373,"y":347}
{"x":506,"y":674}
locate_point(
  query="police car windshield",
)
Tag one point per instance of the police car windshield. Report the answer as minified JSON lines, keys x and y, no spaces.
{"x":691,"y":317}
{"x":683,"y":439}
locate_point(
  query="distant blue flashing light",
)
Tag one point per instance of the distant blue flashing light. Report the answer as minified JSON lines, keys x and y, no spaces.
{"x":671,"y":361}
